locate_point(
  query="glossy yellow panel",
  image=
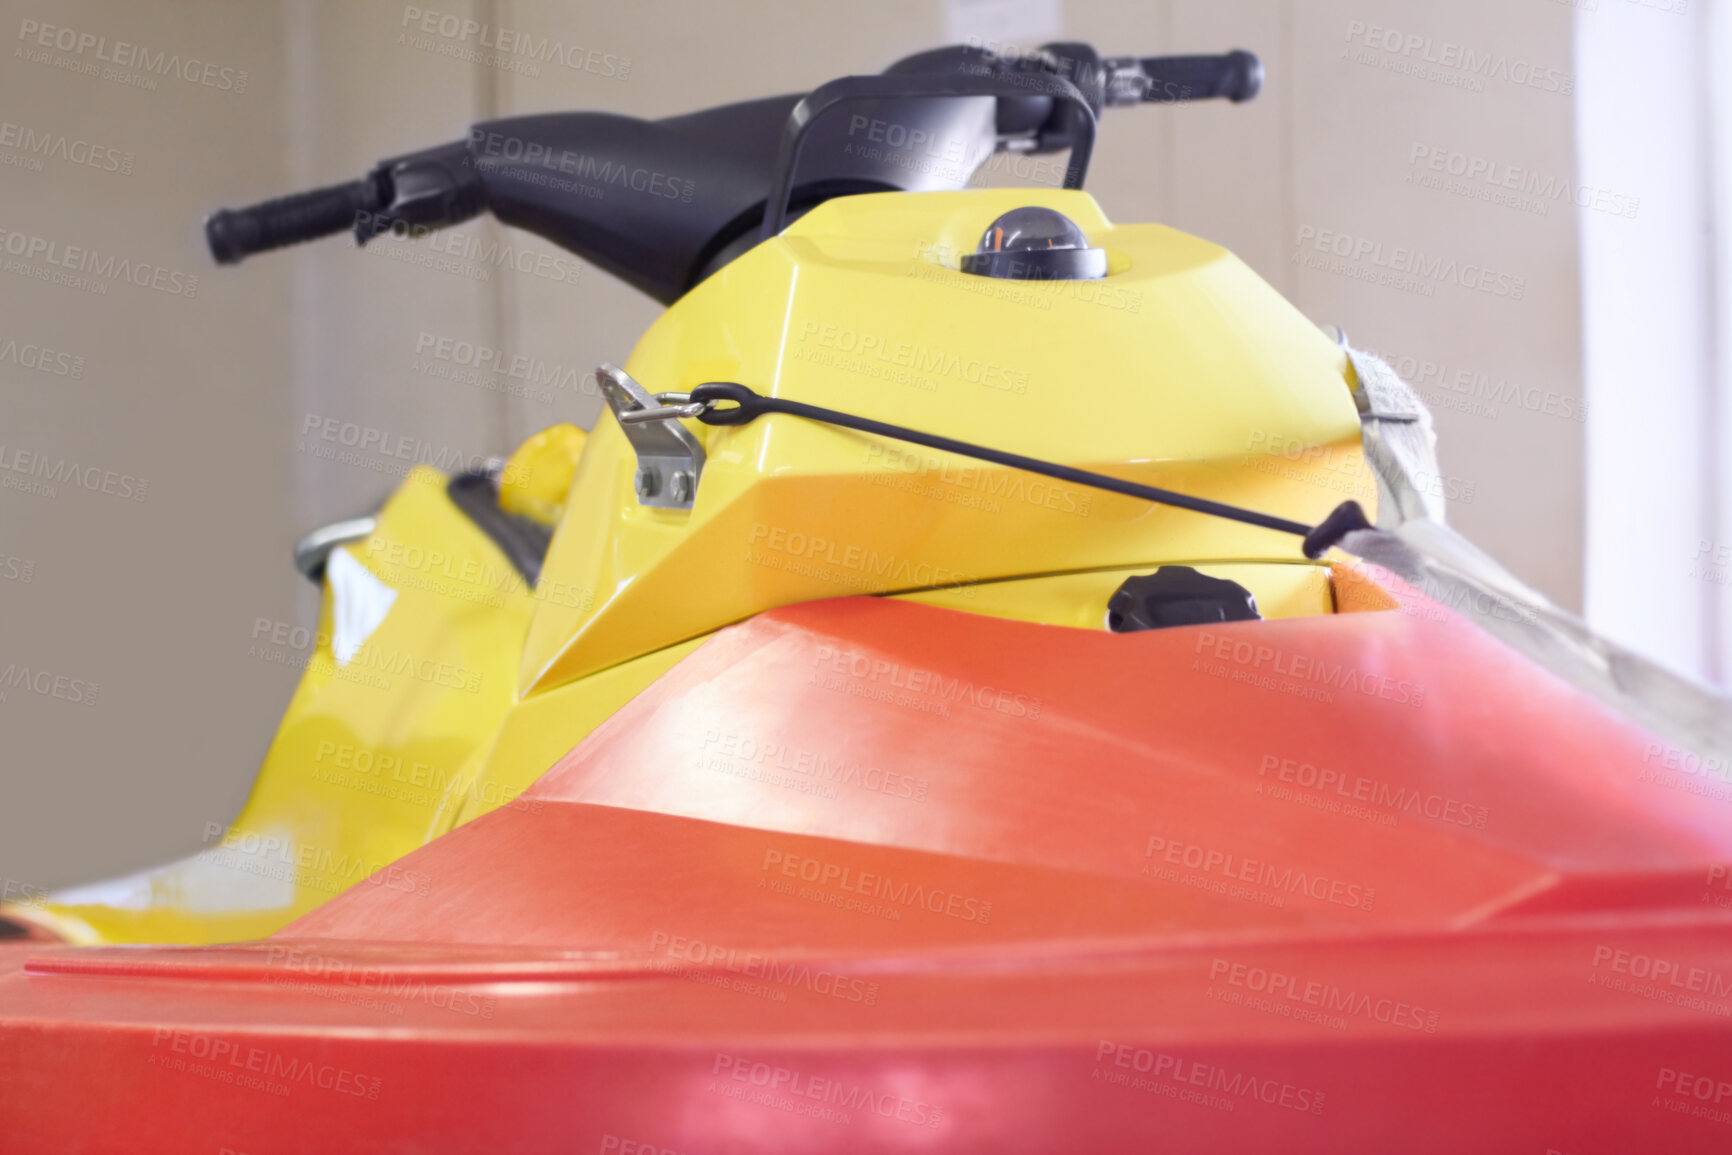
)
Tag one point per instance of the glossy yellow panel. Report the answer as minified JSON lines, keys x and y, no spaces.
{"x":1182,"y":368}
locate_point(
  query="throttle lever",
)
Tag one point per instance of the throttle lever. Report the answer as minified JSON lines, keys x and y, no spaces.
{"x":424,"y":190}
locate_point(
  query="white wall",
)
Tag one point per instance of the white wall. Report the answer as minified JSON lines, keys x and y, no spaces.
{"x":1711,"y":561}
{"x":1648,"y":322}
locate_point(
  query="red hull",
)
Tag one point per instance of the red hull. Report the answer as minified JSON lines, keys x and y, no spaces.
{"x":863,"y":876}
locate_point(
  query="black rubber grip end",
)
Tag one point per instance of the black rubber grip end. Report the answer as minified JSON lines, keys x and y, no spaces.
{"x":230,"y":235}
{"x":233,"y":234}
{"x":1344,"y":519}
{"x":1244,"y":76}
{"x":1235,"y":76}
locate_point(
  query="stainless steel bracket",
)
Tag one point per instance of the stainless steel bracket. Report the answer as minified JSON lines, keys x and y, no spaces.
{"x":669,"y":459}
{"x":312,"y":551}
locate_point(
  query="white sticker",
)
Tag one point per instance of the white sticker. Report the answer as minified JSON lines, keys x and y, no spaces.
{"x":359,"y":602}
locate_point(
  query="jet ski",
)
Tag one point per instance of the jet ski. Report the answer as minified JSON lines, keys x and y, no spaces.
{"x":994,"y":678}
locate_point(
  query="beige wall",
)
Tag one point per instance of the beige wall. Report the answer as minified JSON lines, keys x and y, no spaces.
{"x":149,"y":598}
{"x":206,"y":397}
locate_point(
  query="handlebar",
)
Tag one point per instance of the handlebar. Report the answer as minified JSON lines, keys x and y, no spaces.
{"x":1046,"y":102}
{"x":427,"y":189}
{"x":236,"y":233}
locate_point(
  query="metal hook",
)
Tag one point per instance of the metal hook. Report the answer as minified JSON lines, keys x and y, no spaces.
{"x":669,"y":459}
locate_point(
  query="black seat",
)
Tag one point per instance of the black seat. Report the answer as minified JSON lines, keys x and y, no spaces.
{"x":662,"y":204}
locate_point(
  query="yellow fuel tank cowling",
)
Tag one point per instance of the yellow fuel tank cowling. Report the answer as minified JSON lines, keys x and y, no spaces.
{"x":1181,"y":368}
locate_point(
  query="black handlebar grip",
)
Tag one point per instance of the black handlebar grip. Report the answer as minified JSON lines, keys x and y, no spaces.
{"x":1237,"y":76}
{"x":236,"y":233}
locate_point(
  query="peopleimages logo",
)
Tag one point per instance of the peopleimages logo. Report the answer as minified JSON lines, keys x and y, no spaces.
{"x":22,"y":893}
{"x":834,"y":767}
{"x":975,"y":486}
{"x":371,"y":447}
{"x":36,"y":35}
{"x":813,"y":555}
{"x":915,"y":138}
{"x":534,"y":371}
{"x":1256,"y":872}
{"x":882,"y":672}
{"x":1673,"y":973}
{"x":87,"y":269}
{"x":383,"y":981}
{"x":41,"y":359}
{"x":914,"y":148}
{"x":371,"y":658}
{"x":1399,"y":266}
{"x":1359,"y":788}
{"x":58,"y":146}
{"x":1720,"y":874}
{"x":1471,"y":386}
{"x":805,"y":1090}
{"x":1326,"y":996}
{"x":610,"y":1144}
{"x":1498,"y":182}
{"x":260,"y":1062}
{"x":1444,"y":60}
{"x":917,"y":358}
{"x":467,"y":253}
{"x":1254,"y":659}
{"x":792,"y":974}
{"x":50,"y":471}
{"x":935,"y":900}
{"x":1706,"y":1097}
{"x":601,"y":171}
{"x":319,"y":865}
{"x":1682,"y":761}
{"x":1704,"y":1087}
{"x":390,"y":773}
{"x":482,"y":43}
{"x":48,"y":684}
{"x":1675,"y":768}
{"x":1191,"y":1073}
